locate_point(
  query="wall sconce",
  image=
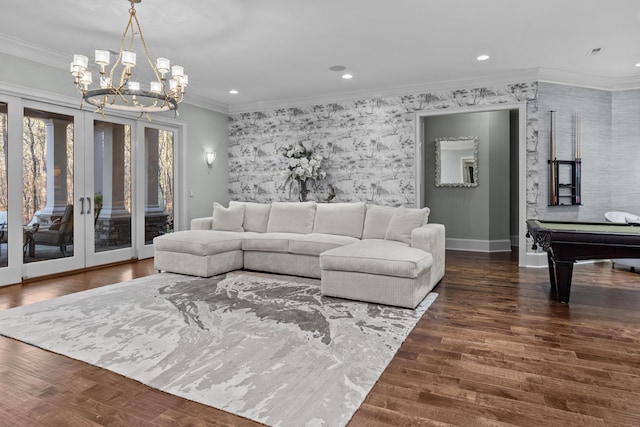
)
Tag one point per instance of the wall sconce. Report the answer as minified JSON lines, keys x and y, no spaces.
{"x":210,"y":157}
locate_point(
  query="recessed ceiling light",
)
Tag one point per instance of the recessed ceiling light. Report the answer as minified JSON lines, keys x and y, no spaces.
{"x":233,"y":92}
{"x":638,"y":65}
{"x":482,"y":57}
{"x":347,"y":76}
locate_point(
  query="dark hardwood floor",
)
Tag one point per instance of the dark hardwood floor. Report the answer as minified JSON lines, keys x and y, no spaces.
{"x":493,"y":349}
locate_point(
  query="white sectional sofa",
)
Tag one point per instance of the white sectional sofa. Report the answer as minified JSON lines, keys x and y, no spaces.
{"x":365,"y":252}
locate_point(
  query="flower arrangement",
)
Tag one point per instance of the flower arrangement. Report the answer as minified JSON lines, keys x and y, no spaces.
{"x":303,"y":166}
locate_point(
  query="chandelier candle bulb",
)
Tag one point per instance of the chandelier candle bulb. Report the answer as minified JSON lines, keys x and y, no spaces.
{"x":102,"y":57}
{"x":155,"y":87}
{"x":129,"y":58}
{"x":80,"y":61}
{"x":173,"y":85}
{"x":177,"y":71}
{"x":162,"y":65}
{"x":86,"y":79}
{"x":75,"y":70}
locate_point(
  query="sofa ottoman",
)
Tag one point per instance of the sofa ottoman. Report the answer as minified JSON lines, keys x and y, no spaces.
{"x":203,"y":253}
{"x":378,"y":271}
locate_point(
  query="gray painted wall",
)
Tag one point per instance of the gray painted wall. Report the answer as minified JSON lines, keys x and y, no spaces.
{"x":595,"y":108}
{"x":624,"y":177}
{"x":207,"y":131}
{"x":480,"y":212}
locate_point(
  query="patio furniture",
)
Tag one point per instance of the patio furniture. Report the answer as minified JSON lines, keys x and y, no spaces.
{"x":59,"y":234}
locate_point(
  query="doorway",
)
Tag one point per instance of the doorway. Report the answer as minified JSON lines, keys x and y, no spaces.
{"x":79,"y":190}
{"x":512,"y":163}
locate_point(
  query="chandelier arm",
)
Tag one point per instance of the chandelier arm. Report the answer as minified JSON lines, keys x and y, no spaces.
{"x":146,"y":51}
{"x":122,"y":43}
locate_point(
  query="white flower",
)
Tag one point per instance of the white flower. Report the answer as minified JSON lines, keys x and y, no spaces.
{"x":289,"y":153}
{"x":323,"y":174}
{"x":294,"y":162}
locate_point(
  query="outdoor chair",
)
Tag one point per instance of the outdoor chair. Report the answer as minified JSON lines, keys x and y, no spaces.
{"x":59,"y":234}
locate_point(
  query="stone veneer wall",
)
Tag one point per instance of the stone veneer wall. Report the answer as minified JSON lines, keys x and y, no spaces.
{"x":368,"y":145}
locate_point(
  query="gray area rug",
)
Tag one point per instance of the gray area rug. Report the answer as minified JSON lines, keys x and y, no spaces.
{"x":265,"y":347}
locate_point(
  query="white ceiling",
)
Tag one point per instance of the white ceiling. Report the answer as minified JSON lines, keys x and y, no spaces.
{"x":280,"y":50}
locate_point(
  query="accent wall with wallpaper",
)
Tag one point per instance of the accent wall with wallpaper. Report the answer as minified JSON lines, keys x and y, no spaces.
{"x":368,"y":146}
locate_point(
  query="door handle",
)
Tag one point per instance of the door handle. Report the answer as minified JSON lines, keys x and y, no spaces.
{"x":81,"y":205}
{"x":89,"y":201}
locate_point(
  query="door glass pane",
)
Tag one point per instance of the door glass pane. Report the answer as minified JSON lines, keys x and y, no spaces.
{"x":112,"y":186}
{"x":158,"y":214}
{"x":47,"y":209}
{"x":4,"y":187}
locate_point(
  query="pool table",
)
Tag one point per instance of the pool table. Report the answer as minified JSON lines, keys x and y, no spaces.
{"x":567,"y":242}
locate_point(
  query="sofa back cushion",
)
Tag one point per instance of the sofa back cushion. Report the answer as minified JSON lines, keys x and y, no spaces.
{"x":403,"y":222}
{"x":291,"y":217}
{"x":256,"y":216}
{"x":342,"y":219}
{"x":227,"y":219}
{"x":376,"y":221}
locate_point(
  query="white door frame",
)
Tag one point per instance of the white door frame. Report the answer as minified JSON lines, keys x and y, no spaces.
{"x":113,"y":255}
{"x":13,"y":272}
{"x":179,"y":129}
{"x":524,"y":258}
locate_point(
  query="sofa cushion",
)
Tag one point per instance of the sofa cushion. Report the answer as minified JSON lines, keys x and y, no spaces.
{"x":403,"y":222}
{"x":199,"y":242}
{"x":376,"y":221}
{"x":342,"y":219}
{"x":268,"y":242}
{"x":256,"y":215}
{"x":227,"y":219}
{"x":382,"y":257}
{"x":291,"y":217}
{"x":315,"y":244}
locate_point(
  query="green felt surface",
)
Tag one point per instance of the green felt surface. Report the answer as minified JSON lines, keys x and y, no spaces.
{"x":593,"y":228}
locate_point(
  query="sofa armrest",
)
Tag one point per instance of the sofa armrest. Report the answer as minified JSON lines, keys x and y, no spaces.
{"x":202,"y":223}
{"x":431,"y":238}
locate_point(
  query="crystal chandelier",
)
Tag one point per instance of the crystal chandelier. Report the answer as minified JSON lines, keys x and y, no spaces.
{"x":118,"y":89}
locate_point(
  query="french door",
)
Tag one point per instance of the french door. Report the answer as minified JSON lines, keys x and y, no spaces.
{"x":78,"y":189}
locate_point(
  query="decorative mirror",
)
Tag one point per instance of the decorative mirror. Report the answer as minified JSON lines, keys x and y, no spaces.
{"x":457,"y":161}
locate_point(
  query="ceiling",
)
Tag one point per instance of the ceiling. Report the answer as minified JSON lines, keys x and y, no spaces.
{"x":276,"y":51}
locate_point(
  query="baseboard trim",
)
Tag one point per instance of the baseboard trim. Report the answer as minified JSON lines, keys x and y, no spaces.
{"x":474,"y":245}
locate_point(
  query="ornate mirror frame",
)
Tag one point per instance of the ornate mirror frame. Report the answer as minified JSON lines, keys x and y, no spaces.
{"x":469,"y":167}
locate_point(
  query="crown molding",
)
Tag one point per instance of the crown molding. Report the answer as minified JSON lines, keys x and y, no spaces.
{"x":627,"y":83}
{"x":568,"y":78}
{"x":439,"y":86}
{"x":39,"y":95}
{"x":19,"y":48}
{"x":206,"y":103}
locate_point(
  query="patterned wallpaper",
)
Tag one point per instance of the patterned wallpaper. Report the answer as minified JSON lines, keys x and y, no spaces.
{"x":367,"y":145}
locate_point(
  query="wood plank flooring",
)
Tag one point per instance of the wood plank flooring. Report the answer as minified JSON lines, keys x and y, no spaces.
{"x":493,"y":350}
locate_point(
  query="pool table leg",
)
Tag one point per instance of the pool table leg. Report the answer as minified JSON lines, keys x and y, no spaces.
{"x":552,"y":270}
{"x":560,"y":273}
{"x":564,"y":271}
